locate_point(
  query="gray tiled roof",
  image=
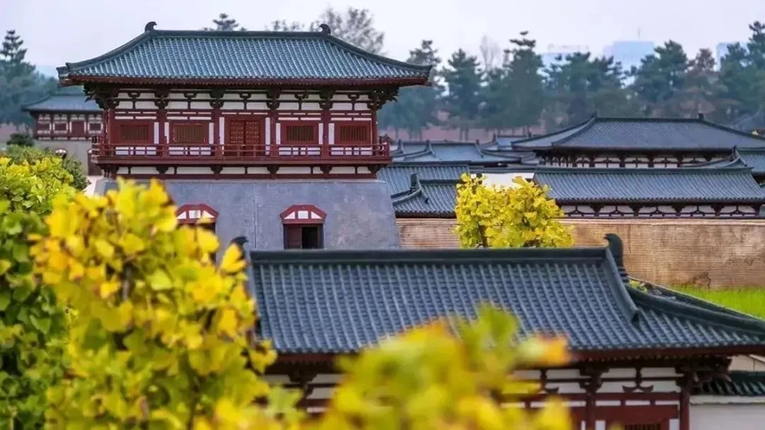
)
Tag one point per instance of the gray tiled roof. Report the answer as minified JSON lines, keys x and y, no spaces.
{"x":743,"y":384}
{"x":66,"y":101}
{"x":754,"y":158}
{"x":253,"y":57}
{"x":399,"y":177}
{"x":427,"y":199}
{"x":458,"y":152}
{"x":726,"y":184}
{"x":654,"y":134}
{"x":307,"y":299}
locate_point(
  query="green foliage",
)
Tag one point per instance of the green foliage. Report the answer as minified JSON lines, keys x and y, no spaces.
{"x":162,"y":335}
{"x":415,"y":107}
{"x":225,"y":23}
{"x":20,"y":154}
{"x":521,"y":216}
{"x":21,"y":139}
{"x":19,"y":81}
{"x":32,"y":324}
{"x":462,"y":101}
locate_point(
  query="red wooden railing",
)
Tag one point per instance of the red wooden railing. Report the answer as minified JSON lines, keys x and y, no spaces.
{"x":230,"y":152}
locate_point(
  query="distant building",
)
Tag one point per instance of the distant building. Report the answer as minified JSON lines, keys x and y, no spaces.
{"x":550,"y":56}
{"x":721,"y":50}
{"x":629,"y":52}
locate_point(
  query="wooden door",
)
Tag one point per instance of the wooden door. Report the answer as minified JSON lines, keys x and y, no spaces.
{"x":244,"y":138}
{"x":78,"y":128}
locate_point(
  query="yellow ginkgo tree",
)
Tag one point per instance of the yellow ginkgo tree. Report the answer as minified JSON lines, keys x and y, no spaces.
{"x":518,"y":216}
{"x":162,"y":335}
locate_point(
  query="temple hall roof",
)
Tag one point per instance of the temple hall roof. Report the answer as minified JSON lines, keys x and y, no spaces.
{"x":644,"y":134}
{"x":307,"y":298}
{"x":241,"y":57}
{"x":741,"y":384}
{"x":65,"y":100}
{"x":754,"y":158}
{"x":724,"y":184}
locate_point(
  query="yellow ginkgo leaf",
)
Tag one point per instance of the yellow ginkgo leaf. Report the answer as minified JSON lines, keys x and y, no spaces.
{"x":232,"y":261}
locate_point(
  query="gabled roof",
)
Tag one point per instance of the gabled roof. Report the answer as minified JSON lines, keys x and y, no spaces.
{"x":399,"y":177}
{"x":741,"y":384}
{"x":754,"y":158}
{"x":307,"y":298}
{"x":241,"y":57}
{"x":644,"y":134}
{"x":719,"y":185}
{"x":65,"y":100}
{"x":434,"y":198}
{"x":458,"y":152}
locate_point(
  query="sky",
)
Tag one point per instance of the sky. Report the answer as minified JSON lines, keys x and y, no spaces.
{"x":58,"y":31}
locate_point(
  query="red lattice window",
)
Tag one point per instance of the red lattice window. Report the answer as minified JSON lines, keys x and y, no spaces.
{"x":352,"y":134}
{"x":59,"y":126}
{"x":654,"y":426}
{"x":78,"y":127}
{"x":300,"y":134}
{"x":43,"y":126}
{"x":189,"y":133}
{"x":303,"y":227}
{"x":135,"y":132}
{"x":193,"y":213}
{"x":94,"y":126}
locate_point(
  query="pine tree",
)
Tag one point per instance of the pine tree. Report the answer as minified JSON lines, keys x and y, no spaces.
{"x":660,"y":80}
{"x":225,"y":23}
{"x":462,"y":101}
{"x":524,"y":83}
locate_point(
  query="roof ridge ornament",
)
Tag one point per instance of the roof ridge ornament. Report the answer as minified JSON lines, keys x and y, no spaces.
{"x":325,"y":29}
{"x":149,"y":26}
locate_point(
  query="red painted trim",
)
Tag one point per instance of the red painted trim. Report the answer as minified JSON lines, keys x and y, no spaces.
{"x":56,"y":126}
{"x":375,"y":131}
{"x":187,"y":208}
{"x":310,"y":208}
{"x":284,"y":125}
{"x":96,"y":129}
{"x":74,"y":79}
{"x":180,"y":123}
{"x":213,"y":176}
{"x":367,"y":131}
{"x":216,"y":126}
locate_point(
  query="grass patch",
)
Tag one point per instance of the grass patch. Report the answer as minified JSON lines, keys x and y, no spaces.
{"x":747,"y":300}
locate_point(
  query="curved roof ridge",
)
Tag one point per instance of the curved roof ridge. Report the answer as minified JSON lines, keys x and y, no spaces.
{"x":706,"y":315}
{"x":561,"y":131}
{"x":647,"y":170}
{"x":151,"y":33}
{"x":414,"y":190}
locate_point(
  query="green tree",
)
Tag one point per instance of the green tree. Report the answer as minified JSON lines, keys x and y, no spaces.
{"x":21,"y":139}
{"x":582,"y":85}
{"x":462,"y":100}
{"x":19,"y":81}
{"x":21,"y":154}
{"x":702,"y":83}
{"x":416,"y":107}
{"x":518,"y":216}
{"x":225,"y":23}
{"x":660,"y":81}
{"x":34,"y":325}
{"x":355,"y":26}
{"x":524,"y":84}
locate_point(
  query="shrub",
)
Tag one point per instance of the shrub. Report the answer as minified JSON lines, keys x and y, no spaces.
{"x":20,"y":154}
{"x":20,"y":139}
{"x":33,"y":325}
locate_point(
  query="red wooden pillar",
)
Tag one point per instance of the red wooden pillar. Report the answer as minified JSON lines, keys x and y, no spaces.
{"x":273,"y":148}
{"x":216,"y":130}
{"x":326,"y":118}
{"x":685,"y":406}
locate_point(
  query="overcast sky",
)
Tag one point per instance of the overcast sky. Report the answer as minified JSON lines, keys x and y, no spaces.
{"x":57,"y":31}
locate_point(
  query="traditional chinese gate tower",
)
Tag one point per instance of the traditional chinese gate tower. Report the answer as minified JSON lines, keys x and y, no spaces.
{"x":266,"y":129}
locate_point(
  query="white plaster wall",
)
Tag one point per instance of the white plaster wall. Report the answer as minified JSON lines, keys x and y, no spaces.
{"x":733,"y":417}
{"x":505,"y":179}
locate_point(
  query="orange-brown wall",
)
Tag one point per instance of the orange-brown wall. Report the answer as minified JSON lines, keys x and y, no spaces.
{"x":715,"y":253}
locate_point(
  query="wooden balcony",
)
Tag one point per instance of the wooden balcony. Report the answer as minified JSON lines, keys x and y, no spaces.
{"x":130,"y":154}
